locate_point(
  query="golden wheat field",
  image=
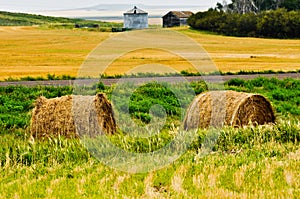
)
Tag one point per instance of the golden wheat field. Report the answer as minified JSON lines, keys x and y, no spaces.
{"x":31,"y":51}
{"x":237,"y":53}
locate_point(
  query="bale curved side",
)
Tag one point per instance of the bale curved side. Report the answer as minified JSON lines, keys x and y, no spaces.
{"x":254,"y":108}
{"x":218,"y":108}
{"x":72,"y":116}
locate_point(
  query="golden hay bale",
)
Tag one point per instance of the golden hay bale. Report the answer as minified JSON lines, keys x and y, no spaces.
{"x":72,"y":116}
{"x":218,"y":108}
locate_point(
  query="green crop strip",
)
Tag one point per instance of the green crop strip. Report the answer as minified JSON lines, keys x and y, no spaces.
{"x":261,"y":161}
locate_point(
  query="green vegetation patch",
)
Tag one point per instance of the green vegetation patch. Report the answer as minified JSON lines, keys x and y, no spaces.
{"x":284,"y":94}
{"x":23,"y":19}
{"x":278,"y":23}
{"x":253,"y":161}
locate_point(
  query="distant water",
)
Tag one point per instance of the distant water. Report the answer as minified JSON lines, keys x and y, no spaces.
{"x":109,"y":18}
{"x":114,"y":13}
{"x":153,"y":19}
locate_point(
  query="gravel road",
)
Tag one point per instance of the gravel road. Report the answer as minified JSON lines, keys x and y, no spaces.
{"x":212,"y":79}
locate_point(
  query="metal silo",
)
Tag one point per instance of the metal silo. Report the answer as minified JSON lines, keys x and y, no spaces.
{"x":136,"y":19}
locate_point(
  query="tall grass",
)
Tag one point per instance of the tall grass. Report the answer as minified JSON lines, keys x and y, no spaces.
{"x":249,"y":162}
{"x":242,"y":159}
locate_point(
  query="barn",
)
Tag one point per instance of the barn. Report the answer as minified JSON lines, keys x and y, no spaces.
{"x":176,"y":18}
{"x":135,"y":19}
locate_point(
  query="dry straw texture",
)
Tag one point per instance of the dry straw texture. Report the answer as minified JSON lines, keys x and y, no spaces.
{"x":72,"y":116}
{"x":218,"y":108}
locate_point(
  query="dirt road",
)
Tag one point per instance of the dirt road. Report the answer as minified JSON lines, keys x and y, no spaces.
{"x":212,"y":79}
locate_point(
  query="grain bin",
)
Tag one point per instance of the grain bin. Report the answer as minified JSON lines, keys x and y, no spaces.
{"x":136,"y":19}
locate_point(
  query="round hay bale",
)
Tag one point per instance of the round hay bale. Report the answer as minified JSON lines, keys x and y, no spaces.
{"x":72,"y":116}
{"x":218,"y":108}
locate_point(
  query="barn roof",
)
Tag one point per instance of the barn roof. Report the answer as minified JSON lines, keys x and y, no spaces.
{"x":135,"y":10}
{"x":181,"y":14}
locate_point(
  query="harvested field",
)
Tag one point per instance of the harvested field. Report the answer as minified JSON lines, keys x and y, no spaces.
{"x":72,"y":116}
{"x":156,"y":58}
{"x":233,"y":54}
{"x":218,"y":108}
{"x":29,"y":51}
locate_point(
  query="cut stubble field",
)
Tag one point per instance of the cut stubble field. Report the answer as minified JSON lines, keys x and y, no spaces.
{"x":31,"y":51}
{"x":232,"y":54}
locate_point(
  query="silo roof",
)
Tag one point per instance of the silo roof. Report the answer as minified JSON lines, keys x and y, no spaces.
{"x":135,"y":10}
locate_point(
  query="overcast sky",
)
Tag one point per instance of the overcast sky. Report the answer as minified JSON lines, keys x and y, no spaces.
{"x":40,"y":5}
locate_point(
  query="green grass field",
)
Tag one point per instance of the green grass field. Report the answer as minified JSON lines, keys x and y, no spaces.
{"x":249,"y":162}
{"x":24,"y":19}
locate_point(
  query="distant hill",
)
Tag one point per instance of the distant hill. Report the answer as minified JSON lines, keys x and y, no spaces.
{"x":23,"y":19}
{"x":125,"y":7}
{"x":117,"y":10}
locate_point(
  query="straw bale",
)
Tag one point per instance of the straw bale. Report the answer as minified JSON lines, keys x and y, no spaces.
{"x":72,"y":116}
{"x":218,"y":108}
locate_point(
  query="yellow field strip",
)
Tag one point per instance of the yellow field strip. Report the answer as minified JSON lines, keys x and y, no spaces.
{"x":237,"y":53}
{"x":29,"y":51}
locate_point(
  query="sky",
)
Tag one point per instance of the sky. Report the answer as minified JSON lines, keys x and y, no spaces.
{"x":41,"y":5}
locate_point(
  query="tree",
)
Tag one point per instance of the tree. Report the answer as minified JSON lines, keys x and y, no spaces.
{"x":274,"y":24}
{"x":291,"y":5}
{"x":256,"y":6}
{"x":278,"y":23}
{"x":219,"y":7}
{"x":244,"y":6}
